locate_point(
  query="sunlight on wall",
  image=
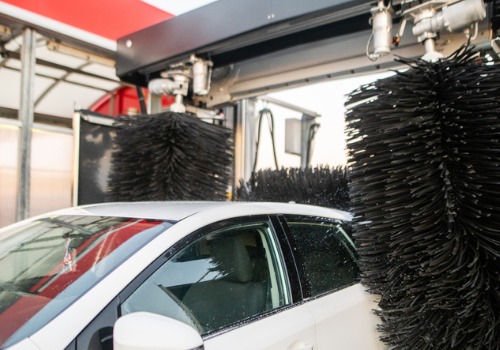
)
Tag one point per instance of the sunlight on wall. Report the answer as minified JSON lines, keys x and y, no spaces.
{"x":326,"y":99}
{"x":51,"y":172}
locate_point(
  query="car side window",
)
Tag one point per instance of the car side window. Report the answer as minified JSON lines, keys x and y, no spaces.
{"x":226,"y":276}
{"x":326,"y":254}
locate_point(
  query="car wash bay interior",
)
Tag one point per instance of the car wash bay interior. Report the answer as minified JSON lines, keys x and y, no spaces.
{"x":391,"y":127}
{"x":74,"y":70}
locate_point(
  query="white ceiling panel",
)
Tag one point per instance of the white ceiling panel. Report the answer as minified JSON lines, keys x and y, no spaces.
{"x":101,"y":70}
{"x":59,"y":58}
{"x":14,"y":44}
{"x":50,"y":72}
{"x":91,"y":81}
{"x":9,"y":93}
{"x":11,"y":63}
{"x":61,"y":101}
{"x":41,"y":84}
{"x":39,"y":69}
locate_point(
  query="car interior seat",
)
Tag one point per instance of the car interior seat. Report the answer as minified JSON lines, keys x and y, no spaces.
{"x":231,"y":297}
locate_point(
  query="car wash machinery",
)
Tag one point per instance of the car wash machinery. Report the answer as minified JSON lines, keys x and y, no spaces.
{"x":210,"y":59}
{"x":229,"y":51}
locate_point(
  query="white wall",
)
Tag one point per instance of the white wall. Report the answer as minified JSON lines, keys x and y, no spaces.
{"x":51,"y":172}
{"x":327,"y":99}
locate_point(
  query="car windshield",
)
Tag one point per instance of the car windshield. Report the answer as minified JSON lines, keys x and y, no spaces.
{"x":46,"y":264}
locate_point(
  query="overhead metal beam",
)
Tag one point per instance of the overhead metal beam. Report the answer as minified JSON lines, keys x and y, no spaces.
{"x":254,"y":28}
{"x":40,"y":118}
{"x":271,"y":45}
{"x":39,"y":126}
{"x":244,"y":136}
{"x":327,"y":60}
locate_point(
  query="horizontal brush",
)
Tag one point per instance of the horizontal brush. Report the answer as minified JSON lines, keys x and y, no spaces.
{"x":170,"y":156}
{"x":322,"y":186}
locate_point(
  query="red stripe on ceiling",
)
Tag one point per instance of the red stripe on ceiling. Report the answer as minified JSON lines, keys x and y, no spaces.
{"x":108,"y":18}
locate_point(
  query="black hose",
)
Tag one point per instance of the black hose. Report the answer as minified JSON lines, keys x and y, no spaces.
{"x":262,"y":113}
{"x":313,"y":128}
{"x":142,"y":103}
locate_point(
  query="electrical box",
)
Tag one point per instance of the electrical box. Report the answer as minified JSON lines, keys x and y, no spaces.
{"x":293,"y":136}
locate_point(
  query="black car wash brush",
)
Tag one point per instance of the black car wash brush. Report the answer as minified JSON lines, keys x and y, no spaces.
{"x":424,"y":158}
{"x":321,"y":185}
{"x":170,"y":156}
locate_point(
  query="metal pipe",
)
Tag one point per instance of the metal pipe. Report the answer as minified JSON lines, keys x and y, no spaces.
{"x":381,"y":29}
{"x":430,"y":46}
{"x":26,"y":116}
{"x":454,"y":17}
{"x":37,"y":126}
{"x":244,"y":139}
{"x":250,"y":112}
{"x":239,"y":145}
{"x":76,"y":158}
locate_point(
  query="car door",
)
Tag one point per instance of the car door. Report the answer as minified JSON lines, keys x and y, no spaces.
{"x":328,"y":269}
{"x":230,"y":282}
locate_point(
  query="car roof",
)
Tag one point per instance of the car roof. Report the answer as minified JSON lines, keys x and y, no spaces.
{"x":178,"y":210}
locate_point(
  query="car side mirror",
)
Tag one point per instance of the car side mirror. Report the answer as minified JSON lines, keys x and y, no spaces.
{"x":148,"y":331}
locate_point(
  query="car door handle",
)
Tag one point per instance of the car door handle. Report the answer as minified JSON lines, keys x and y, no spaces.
{"x":301,"y":345}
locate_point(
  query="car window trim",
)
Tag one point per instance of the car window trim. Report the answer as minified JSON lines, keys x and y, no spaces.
{"x":283,"y":233}
{"x":307,"y":294}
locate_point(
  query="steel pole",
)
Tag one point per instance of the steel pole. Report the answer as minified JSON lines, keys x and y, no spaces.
{"x":244,"y":140}
{"x":26,"y":115}
{"x":239,"y":144}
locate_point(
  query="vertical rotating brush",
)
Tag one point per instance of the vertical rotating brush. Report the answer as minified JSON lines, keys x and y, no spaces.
{"x":424,"y":157}
{"x":170,"y":156}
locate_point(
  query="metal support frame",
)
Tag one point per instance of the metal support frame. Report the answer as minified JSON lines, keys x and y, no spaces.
{"x":263,"y":26}
{"x":26,"y":116}
{"x":244,"y":136}
{"x":275,"y":45}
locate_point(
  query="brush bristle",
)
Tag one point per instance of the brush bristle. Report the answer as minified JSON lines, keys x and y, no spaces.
{"x":424,"y":162}
{"x":322,"y":186}
{"x":170,"y":156}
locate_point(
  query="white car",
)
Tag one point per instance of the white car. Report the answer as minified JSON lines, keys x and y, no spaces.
{"x":184,"y":275}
